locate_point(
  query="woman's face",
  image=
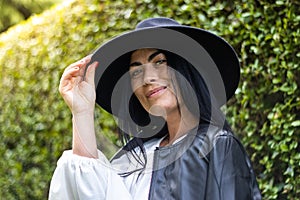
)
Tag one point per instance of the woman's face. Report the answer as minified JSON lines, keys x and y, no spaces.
{"x":151,"y":81}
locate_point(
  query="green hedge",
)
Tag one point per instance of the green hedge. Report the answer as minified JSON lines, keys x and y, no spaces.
{"x":13,"y":12}
{"x":36,"y":124}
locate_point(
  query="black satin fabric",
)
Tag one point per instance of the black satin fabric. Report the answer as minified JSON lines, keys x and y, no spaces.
{"x":209,"y":165}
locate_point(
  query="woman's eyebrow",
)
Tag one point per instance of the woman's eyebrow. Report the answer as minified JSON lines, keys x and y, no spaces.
{"x":135,"y":64}
{"x":153,"y":55}
{"x":149,"y":59}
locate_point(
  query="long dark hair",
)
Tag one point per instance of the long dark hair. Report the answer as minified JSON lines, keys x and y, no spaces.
{"x":209,"y":110}
{"x":137,"y":130}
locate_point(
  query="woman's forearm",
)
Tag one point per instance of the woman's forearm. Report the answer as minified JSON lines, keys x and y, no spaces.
{"x":77,"y":87}
{"x":84,"y":139}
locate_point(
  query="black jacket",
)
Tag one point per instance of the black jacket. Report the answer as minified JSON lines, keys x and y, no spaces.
{"x":210,"y":165}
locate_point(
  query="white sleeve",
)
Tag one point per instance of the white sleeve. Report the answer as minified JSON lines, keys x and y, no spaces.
{"x":78,"y":177}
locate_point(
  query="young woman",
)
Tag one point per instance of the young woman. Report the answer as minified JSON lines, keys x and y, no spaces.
{"x":165,"y":83}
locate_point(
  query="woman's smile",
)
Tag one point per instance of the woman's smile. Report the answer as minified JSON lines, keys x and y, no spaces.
{"x":156,"y":92}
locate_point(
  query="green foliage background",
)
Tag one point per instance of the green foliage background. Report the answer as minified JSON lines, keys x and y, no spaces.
{"x":15,"y":11}
{"x":36,"y":124}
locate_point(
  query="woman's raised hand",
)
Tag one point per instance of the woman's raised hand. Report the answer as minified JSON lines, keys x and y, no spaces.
{"x":78,"y":88}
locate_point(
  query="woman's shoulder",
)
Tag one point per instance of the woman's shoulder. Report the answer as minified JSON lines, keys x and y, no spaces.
{"x":215,"y":133}
{"x":217,"y":141}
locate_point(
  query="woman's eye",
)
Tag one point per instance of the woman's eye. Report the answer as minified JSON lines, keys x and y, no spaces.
{"x":159,"y":62}
{"x":135,"y":73}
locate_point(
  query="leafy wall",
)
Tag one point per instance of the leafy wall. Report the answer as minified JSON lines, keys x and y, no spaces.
{"x":36,"y":124}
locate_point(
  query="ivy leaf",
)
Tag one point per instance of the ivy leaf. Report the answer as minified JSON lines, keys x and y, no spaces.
{"x":296,"y":123}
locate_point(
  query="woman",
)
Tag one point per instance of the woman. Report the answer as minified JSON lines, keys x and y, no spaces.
{"x":165,"y":83}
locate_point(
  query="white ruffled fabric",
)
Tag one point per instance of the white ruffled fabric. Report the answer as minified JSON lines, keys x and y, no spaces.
{"x":78,"y":177}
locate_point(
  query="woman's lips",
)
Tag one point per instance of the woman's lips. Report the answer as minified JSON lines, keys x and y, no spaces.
{"x":155,"y":91}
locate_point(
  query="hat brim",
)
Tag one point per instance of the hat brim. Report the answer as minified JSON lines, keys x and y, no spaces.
{"x":213,"y":57}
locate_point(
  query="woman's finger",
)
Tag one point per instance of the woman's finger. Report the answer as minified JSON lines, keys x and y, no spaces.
{"x":68,"y":78}
{"x":90,"y":73}
{"x":73,"y":74}
{"x":80,"y":63}
{"x":69,"y":73}
{"x":83,"y":65}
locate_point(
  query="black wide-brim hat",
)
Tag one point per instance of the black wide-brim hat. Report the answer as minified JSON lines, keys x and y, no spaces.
{"x":210,"y":54}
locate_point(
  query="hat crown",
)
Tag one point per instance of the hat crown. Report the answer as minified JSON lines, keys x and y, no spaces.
{"x":156,"y":22}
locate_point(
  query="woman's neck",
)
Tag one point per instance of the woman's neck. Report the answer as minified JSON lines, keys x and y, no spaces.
{"x":179,"y":123}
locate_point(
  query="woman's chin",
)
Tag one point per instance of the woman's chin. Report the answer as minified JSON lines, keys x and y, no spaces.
{"x":158,"y":110}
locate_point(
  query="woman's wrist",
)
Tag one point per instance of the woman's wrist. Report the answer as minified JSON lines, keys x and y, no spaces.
{"x":84,"y":139}
{"x":84,"y":113}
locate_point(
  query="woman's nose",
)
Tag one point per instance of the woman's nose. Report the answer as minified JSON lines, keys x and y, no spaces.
{"x":150,"y":74}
